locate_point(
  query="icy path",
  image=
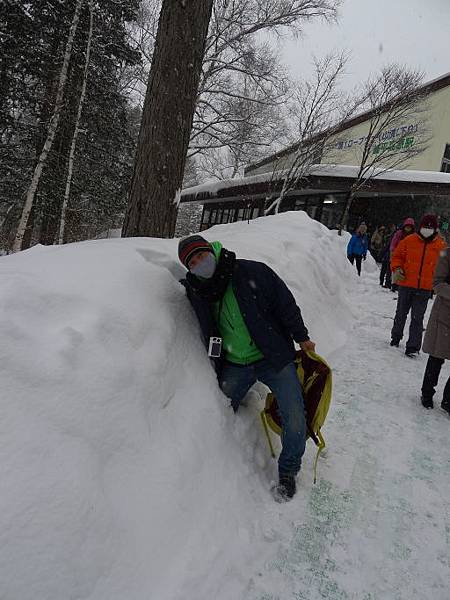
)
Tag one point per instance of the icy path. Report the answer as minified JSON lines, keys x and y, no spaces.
{"x":377,"y":524}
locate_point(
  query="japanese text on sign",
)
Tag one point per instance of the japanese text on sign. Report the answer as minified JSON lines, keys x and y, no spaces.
{"x":406,"y":133}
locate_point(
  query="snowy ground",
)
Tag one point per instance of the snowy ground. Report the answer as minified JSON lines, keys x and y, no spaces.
{"x":125,"y":475}
{"x":377,"y":524}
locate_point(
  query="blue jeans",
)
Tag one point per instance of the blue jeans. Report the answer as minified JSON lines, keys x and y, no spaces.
{"x":236,"y":380}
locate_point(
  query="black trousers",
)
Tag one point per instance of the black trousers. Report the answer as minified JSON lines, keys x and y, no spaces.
{"x":431,"y":378}
{"x":358,"y":259}
{"x":414,"y":300}
{"x":385,"y":273}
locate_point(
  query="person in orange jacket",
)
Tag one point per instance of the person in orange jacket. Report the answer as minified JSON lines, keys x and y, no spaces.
{"x":413,"y":264}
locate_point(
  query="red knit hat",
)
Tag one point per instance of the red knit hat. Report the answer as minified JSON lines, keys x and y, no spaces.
{"x":191,"y":245}
{"x":429,"y":222}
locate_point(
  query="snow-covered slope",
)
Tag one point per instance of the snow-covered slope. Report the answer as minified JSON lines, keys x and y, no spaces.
{"x":124,"y":473}
{"x":126,"y":476}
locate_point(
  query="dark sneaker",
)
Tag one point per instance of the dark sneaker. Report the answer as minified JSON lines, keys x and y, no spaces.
{"x":286,"y":488}
{"x":411,"y":352}
{"x":427,"y":402}
{"x":445,"y":406}
{"x":395,"y":343}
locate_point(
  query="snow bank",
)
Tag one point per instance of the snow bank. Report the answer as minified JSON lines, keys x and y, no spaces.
{"x":124,"y":473}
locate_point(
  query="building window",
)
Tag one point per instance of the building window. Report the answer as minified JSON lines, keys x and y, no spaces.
{"x":312,"y":211}
{"x":445,"y":166}
{"x":317,"y":154}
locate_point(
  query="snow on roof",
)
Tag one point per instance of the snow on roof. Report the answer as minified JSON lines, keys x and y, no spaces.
{"x":213,"y":187}
{"x":379,"y":173}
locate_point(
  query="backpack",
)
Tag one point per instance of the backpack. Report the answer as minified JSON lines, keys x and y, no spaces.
{"x":316,"y":379}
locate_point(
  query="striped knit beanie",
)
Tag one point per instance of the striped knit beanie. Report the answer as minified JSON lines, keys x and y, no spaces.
{"x":191,"y":245}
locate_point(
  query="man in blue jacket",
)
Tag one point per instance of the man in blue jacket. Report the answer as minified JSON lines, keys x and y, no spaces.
{"x":357,"y":247}
{"x":249,"y":321}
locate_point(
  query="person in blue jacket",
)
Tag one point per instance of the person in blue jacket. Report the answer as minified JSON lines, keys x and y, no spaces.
{"x":357,"y":247}
{"x":252,"y":319}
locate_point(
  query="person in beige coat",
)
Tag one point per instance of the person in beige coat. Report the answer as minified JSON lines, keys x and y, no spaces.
{"x":437,"y":336}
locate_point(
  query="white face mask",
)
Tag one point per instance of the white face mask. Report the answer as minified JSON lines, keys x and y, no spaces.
{"x":205,"y":268}
{"x":426,"y":232}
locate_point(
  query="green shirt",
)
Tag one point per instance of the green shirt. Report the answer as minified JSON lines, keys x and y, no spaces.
{"x":237,"y":342}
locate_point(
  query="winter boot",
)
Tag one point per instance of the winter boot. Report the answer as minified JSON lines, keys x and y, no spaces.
{"x":395,"y":343}
{"x":286,"y":488}
{"x":411,"y":352}
{"x":427,"y":402}
{"x":445,"y":405}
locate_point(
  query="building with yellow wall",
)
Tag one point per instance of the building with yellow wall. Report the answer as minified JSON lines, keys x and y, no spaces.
{"x":420,"y":184}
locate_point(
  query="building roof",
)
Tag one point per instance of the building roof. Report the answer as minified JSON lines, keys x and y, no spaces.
{"x":429,"y":87}
{"x":322,"y":177}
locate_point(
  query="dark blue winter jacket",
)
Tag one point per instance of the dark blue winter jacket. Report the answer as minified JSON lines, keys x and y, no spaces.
{"x":358,"y":245}
{"x":268,"y":308}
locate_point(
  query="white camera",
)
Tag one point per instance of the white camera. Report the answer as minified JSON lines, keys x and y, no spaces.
{"x":215,"y":347}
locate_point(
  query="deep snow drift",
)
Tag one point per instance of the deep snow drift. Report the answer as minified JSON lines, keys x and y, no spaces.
{"x":126,"y":476}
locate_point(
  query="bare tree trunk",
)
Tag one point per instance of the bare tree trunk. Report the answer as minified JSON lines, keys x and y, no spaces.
{"x":73,"y":145}
{"x":167,"y":118}
{"x":51,"y":133}
{"x":346,"y":212}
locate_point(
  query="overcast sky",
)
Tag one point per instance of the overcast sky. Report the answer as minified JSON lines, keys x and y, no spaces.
{"x":376,"y":32}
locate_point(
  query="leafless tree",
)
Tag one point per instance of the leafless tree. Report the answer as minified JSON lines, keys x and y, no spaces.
{"x":73,"y":145}
{"x":142,"y":35}
{"x":253,"y":130}
{"x":243,"y":88}
{"x":397,"y":126}
{"x":51,"y":131}
{"x":318,"y":108}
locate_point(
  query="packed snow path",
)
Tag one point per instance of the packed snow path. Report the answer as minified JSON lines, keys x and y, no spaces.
{"x":377,"y":524}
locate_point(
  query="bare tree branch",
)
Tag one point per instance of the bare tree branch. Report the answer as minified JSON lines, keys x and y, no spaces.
{"x":398,"y":128}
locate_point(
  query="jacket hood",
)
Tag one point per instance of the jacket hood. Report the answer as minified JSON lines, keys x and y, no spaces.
{"x":217,"y":248}
{"x":409,"y":221}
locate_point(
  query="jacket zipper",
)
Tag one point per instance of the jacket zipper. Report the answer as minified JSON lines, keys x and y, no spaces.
{"x":421,"y":264}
